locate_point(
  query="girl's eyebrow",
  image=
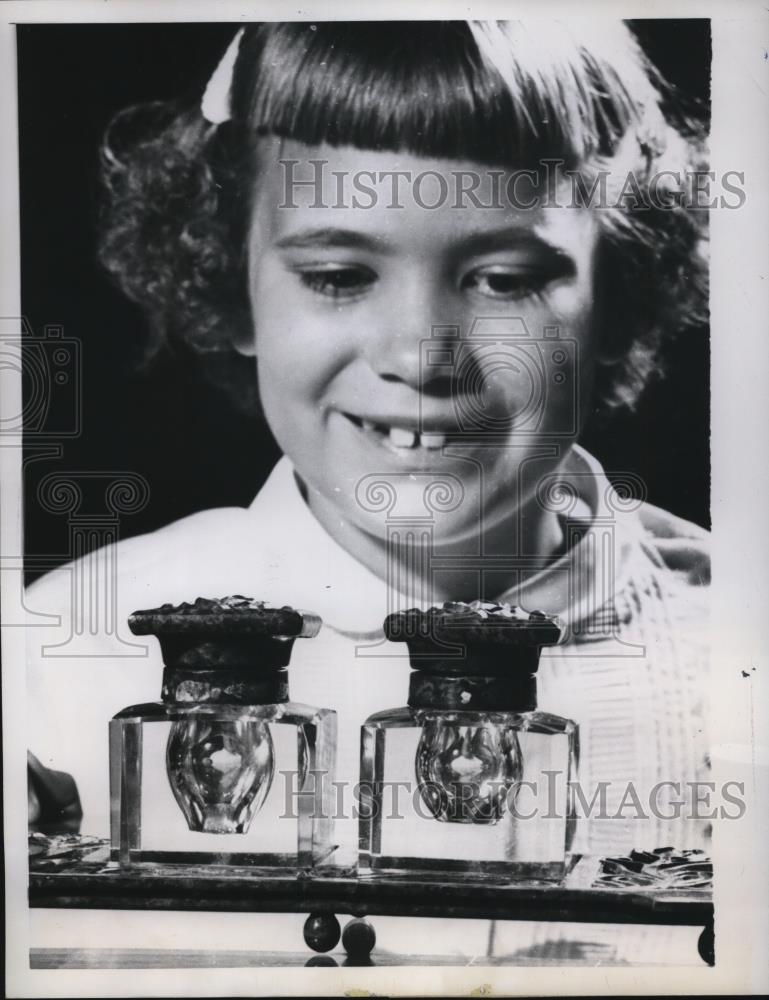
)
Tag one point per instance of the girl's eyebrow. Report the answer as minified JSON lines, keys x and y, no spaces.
{"x":329,"y":236}
{"x":509,"y":238}
{"x":483,"y":241}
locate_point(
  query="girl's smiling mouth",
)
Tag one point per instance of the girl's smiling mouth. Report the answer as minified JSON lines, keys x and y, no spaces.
{"x":400,"y":437}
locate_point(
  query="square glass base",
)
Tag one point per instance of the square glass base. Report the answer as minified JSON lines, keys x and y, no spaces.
{"x":222,"y":785}
{"x":407,"y":824}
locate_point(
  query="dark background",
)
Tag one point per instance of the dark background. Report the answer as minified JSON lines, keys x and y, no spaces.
{"x":167,"y":423}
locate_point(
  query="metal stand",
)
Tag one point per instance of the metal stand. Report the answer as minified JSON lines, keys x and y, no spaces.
{"x":95,"y":883}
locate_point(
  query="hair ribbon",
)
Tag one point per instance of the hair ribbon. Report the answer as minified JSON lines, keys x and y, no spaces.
{"x":215,"y":104}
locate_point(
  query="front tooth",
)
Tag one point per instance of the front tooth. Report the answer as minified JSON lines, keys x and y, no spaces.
{"x":401,"y":438}
{"x":367,"y":425}
{"x":432,"y":440}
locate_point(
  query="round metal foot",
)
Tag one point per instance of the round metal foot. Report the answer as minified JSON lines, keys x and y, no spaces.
{"x":706,"y":944}
{"x":322,"y":931}
{"x":358,"y":939}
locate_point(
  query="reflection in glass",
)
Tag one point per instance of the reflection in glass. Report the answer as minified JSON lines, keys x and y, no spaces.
{"x":466,"y":773}
{"x":220,"y":772}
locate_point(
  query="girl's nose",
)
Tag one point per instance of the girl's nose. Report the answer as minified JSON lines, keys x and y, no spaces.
{"x":410,"y":328}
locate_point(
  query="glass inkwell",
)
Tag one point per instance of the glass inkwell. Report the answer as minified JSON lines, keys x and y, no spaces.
{"x":224,"y":769}
{"x":469,"y":778}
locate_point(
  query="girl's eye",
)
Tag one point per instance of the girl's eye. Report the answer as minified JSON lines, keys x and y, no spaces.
{"x":337,"y":282}
{"x":504,"y":284}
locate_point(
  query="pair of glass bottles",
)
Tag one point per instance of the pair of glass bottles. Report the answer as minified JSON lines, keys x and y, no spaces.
{"x":189,"y":774}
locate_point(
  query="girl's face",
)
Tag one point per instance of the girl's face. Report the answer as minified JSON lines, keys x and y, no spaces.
{"x":413,"y":343}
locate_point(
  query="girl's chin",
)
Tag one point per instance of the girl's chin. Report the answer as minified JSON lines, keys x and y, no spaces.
{"x":437,"y":532}
{"x":408,"y":510}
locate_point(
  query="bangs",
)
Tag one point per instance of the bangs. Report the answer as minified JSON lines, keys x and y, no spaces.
{"x":499,"y":93}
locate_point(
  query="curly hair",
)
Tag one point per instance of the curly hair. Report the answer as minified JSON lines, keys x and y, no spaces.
{"x":179,"y":189}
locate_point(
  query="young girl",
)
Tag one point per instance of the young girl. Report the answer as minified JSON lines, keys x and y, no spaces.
{"x":442,"y":243}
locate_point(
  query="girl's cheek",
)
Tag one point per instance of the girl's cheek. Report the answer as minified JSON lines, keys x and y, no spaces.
{"x":570,"y":310}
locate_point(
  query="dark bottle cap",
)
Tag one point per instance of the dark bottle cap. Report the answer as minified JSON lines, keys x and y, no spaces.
{"x":231,"y":650}
{"x":473,"y":656}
